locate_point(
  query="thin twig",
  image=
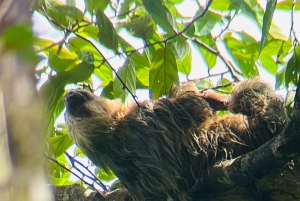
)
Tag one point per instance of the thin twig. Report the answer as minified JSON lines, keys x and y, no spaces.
{"x":76,"y":175}
{"x":94,"y":178}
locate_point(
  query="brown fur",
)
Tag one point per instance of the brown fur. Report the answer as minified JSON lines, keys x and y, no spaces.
{"x":162,"y":149}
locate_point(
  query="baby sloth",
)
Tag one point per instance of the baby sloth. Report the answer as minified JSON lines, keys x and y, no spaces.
{"x":161,"y":150}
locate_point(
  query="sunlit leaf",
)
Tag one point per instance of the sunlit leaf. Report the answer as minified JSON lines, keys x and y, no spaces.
{"x":284,"y":5}
{"x":221,"y":5}
{"x":163,"y":72}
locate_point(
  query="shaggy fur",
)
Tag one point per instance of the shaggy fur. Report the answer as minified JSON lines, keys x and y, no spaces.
{"x":162,"y":149}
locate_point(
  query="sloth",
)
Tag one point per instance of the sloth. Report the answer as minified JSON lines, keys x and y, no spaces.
{"x":161,"y":150}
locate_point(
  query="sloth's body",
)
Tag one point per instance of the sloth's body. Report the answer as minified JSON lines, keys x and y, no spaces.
{"x":164,"y":148}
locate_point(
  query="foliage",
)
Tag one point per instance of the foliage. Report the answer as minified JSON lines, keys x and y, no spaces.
{"x":167,"y":42}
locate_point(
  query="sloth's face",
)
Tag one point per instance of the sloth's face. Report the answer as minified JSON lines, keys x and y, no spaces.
{"x":75,"y":102}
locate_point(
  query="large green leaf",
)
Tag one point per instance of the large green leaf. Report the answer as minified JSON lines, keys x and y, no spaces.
{"x":107,"y":33}
{"x":163,"y":72}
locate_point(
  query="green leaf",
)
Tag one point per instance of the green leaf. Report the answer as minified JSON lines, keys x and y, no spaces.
{"x":280,"y":78}
{"x":173,"y":1}
{"x":142,"y":68}
{"x":293,"y":67}
{"x":104,"y":176}
{"x":267,"y":21}
{"x":115,"y":185}
{"x":163,"y":72}
{"x":60,"y":142}
{"x":88,"y":31}
{"x":244,"y":7}
{"x":107,"y":33}
{"x":71,"y":3}
{"x":59,"y":64}
{"x":204,"y":84}
{"x":284,"y":5}
{"x":160,"y":14}
{"x":58,"y":175}
{"x":92,"y":5}
{"x":105,"y":74}
{"x":87,"y":57}
{"x":17,"y":37}
{"x":244,"y":52}
{"x":81,"y":47}
{"x":80,"y":73}
{"x":209,"y":57}
{"x":269,"y":64}
{"x":64,"y":14}
{"x":221,"y":5}
{"x":183,"y":54}
{"x":125,"y":8}
{"x":226,"y":89}
{"x":205,"y":24}
{"x":127,"y":75}
{"x":108,"y":91}
{"x":140,"y":26}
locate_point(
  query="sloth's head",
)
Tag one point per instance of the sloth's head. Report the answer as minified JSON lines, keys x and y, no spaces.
{"x":77,"y":103}
{"x":88,"y":115}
